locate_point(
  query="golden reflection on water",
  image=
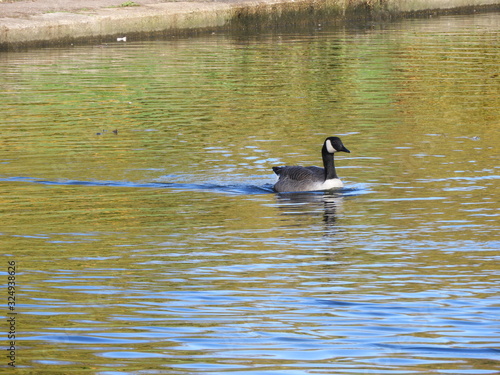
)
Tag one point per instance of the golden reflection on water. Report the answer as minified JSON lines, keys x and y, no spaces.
{"x":162,"y":247}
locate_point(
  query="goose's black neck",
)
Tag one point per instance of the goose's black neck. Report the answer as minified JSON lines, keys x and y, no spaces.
{"x":328,"y":164}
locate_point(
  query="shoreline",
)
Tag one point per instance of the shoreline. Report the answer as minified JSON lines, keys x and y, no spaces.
{"x":40,"y":23}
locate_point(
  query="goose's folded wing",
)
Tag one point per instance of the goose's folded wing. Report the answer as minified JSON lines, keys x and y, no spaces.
{"x":299,"y":173}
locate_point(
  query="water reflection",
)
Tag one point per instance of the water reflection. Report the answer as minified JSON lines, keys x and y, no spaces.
{"x":162,"y":248}
{"x":309,"y":203}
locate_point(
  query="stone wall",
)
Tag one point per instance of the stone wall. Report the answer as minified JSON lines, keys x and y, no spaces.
{"x":102,"y":23}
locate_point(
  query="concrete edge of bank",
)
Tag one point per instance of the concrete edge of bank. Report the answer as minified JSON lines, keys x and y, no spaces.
{"x":174,"y":18}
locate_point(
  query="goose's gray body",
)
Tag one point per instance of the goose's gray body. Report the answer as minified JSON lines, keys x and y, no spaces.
{"x":296,"y":178}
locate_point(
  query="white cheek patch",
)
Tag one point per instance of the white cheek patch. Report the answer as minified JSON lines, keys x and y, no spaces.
{"x":329,"y":147}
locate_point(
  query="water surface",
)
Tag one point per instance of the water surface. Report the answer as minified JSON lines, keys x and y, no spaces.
{"x":161,"y":248}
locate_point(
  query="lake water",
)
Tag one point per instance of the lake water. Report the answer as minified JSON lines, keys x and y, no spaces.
{"x":162,"y":249}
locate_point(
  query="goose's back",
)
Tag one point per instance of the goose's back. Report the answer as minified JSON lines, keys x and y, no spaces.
{"x":297,"y":178}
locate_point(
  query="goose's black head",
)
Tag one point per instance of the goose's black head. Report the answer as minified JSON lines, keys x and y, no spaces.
{"x":333,"y":145}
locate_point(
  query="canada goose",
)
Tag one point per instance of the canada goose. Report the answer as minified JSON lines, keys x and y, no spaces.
{"x":312,"y":178}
